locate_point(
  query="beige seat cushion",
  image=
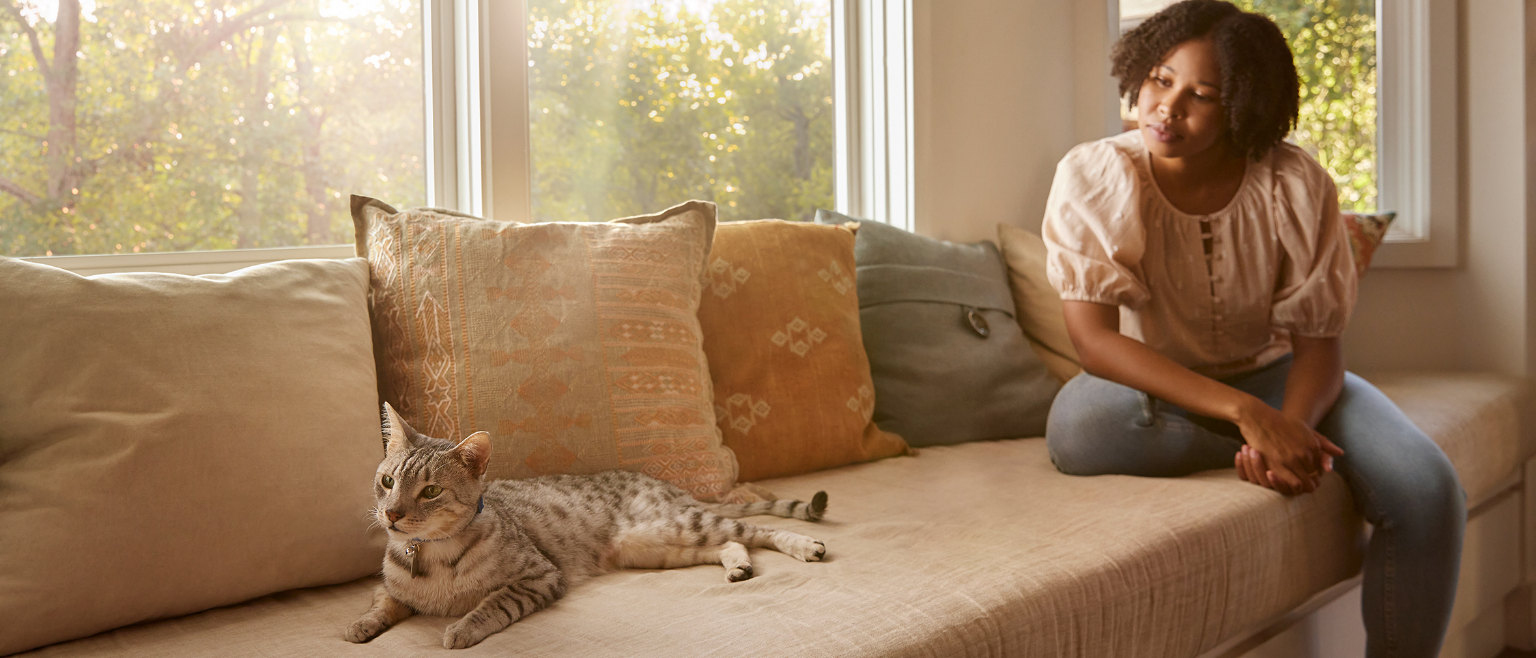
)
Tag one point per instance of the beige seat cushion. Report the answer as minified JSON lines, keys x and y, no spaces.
{"x":981,"y":549}
{"x":1474,"y":417}
{"x":976,"y":549}
{"x":171,"y":443}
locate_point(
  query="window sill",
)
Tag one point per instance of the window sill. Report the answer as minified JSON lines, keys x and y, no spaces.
{"x":192,"y":262}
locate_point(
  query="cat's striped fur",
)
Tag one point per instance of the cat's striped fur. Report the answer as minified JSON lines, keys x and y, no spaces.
{"x":536,"y":538}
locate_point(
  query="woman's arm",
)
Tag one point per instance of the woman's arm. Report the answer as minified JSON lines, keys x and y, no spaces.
{"x":1289,"y":446}
{"x":1317,"y":376}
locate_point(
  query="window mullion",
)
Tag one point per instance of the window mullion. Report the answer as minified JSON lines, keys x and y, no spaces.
{"x":506,"y":174}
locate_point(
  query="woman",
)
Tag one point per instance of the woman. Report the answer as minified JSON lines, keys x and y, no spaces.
{"x":1206,"y":279}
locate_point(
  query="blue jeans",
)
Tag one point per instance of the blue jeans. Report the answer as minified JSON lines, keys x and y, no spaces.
{"x":1402,"y":484}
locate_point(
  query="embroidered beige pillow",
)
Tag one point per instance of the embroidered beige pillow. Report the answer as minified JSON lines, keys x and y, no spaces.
{"x":170,"y":443}
{"x":577,"y":346}
{"x":781,"y":327}
{"x":1037,"y":302}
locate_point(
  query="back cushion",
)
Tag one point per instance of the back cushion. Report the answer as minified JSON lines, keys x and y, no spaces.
{"x":949,"y":361}
{"x":170,"y":443}
{"x":781,"y":327}
{"x":576,"y":345}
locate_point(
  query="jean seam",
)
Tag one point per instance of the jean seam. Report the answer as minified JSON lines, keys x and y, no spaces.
{"x":1388,"y":574}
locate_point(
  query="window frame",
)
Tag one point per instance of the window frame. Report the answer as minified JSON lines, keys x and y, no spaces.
{"x":476,"y":103}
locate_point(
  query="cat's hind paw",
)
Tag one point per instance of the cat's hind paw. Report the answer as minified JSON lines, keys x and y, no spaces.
{"x":738,"y":574}
{"x":804,"y":548}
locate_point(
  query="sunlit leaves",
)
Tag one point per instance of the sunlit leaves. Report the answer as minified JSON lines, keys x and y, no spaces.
{"x":210,"y":125}
{"x":637,"y":106}
{"x":1334,"y":42}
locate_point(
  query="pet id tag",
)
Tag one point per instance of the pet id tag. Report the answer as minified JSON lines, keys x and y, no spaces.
{"x":414,"y":551}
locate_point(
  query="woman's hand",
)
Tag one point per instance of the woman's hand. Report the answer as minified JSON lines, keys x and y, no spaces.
{"x":1283,"y":452}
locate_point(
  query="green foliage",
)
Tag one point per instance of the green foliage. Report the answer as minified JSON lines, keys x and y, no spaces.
{"x":1335,"y":46}
{"x":638,"y":106}
{"x":207,"y":125}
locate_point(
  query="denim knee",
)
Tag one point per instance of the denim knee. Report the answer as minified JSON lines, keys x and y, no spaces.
{"x":1087,"y":412}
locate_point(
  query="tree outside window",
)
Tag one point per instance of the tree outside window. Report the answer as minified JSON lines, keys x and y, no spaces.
{"x":636,"y":105}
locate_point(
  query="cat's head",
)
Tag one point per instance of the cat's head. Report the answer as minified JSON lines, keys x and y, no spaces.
{"x":427,"y":488}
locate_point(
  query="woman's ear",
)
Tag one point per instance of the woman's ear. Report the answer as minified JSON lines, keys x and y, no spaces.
{"x":475,"y":453}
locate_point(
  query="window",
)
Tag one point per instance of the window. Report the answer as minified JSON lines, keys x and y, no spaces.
{"x":439,"y":102}
{"x":1378,"y":110}
{"x":186,"y":125}
{"x":635,"y":105}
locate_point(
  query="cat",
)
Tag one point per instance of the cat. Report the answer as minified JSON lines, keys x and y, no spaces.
{"x":494,"y":553}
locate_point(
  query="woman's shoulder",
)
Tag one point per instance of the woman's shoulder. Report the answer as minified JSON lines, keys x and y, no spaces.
{"x":1292,"y":165}
{"x":1106,"y":159}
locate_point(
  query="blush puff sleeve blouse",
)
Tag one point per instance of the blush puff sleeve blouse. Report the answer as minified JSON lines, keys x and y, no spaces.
{"x":1222,"y":293}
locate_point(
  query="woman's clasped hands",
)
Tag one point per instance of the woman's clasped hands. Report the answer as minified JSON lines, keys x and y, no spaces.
{"x":1282,"y":452}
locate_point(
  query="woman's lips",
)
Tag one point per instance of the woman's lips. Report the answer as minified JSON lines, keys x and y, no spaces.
{"x":1161,"y":133}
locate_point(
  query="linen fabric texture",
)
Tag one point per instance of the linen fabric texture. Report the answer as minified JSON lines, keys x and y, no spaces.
{"x":575,"y":345}
{"x":1278,"y":262}
{"x":1038,"y":305}
{"x":949,"y":361}
{"x":792,"y":383}
{"x":170,"y":444}
{"x":1055,"y":565}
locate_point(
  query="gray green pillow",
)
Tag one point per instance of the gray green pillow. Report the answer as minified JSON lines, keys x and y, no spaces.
{"x":948,"y":359}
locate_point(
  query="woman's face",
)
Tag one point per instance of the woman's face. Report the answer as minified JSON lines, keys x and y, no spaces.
{"x":1179,"y":109}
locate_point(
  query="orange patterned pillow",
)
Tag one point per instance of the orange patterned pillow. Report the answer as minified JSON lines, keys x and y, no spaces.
{"x":577,"y":346}
{"x":781,"y":327}
{"x":1365,"y":234}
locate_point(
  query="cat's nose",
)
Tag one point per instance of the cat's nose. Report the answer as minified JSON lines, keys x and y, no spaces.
{"x":394,"y":516}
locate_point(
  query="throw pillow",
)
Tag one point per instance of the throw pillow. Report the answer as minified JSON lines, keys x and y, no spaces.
{"x":949,"y":361}
{"x":1038,"y":303}
{"x":781,"y":328}
{"x":576,"y":345}
{"x":170,"y":443}
{"x":1365,"y":234}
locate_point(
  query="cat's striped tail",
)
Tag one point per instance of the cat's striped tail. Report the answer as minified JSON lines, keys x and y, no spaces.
{"x":789,"y":509}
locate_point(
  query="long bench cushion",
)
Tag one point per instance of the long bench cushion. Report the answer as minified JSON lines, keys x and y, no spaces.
{"x":980,"y":549}
{"x":1474,"y":416}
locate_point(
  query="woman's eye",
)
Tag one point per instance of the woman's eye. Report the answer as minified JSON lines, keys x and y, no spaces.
{"x":431,"y":491}
{"x":387,"y":482}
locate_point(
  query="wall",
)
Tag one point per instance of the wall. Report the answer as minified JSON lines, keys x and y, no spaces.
{"x":996,"y":103}
{"x":1473,"y":316}
{"x":1003,"y":88}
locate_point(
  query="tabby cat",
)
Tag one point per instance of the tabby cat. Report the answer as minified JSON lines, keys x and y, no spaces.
{"x":493,"y":554}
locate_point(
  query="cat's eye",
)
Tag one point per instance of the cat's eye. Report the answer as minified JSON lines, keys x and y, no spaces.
{"x":387,"y":482}
{"x":431,"y":491}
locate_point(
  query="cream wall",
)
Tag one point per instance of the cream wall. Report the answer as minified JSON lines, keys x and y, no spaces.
{"x":1003,"y":88}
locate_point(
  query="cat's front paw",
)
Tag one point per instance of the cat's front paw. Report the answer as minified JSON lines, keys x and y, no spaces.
{"x":363,"y":630}
{"x":461,"y":635}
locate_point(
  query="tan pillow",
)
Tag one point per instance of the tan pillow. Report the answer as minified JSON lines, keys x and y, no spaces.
{"x":577,"y":346}
{"x":1038,"y":303}
{"x":781,"y":328}
{"x":170,"y":443}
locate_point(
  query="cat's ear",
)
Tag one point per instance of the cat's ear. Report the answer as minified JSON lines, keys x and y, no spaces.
{"x":475,"y":453}
{"x":397,"y":434}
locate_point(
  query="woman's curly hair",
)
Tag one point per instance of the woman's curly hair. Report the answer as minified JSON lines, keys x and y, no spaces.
{"x":1259,"y":86}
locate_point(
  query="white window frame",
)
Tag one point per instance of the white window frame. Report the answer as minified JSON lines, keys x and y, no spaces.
{"x":1416,"y":98}
{"x":477,"y":134}
{"x":1416,"y":157}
